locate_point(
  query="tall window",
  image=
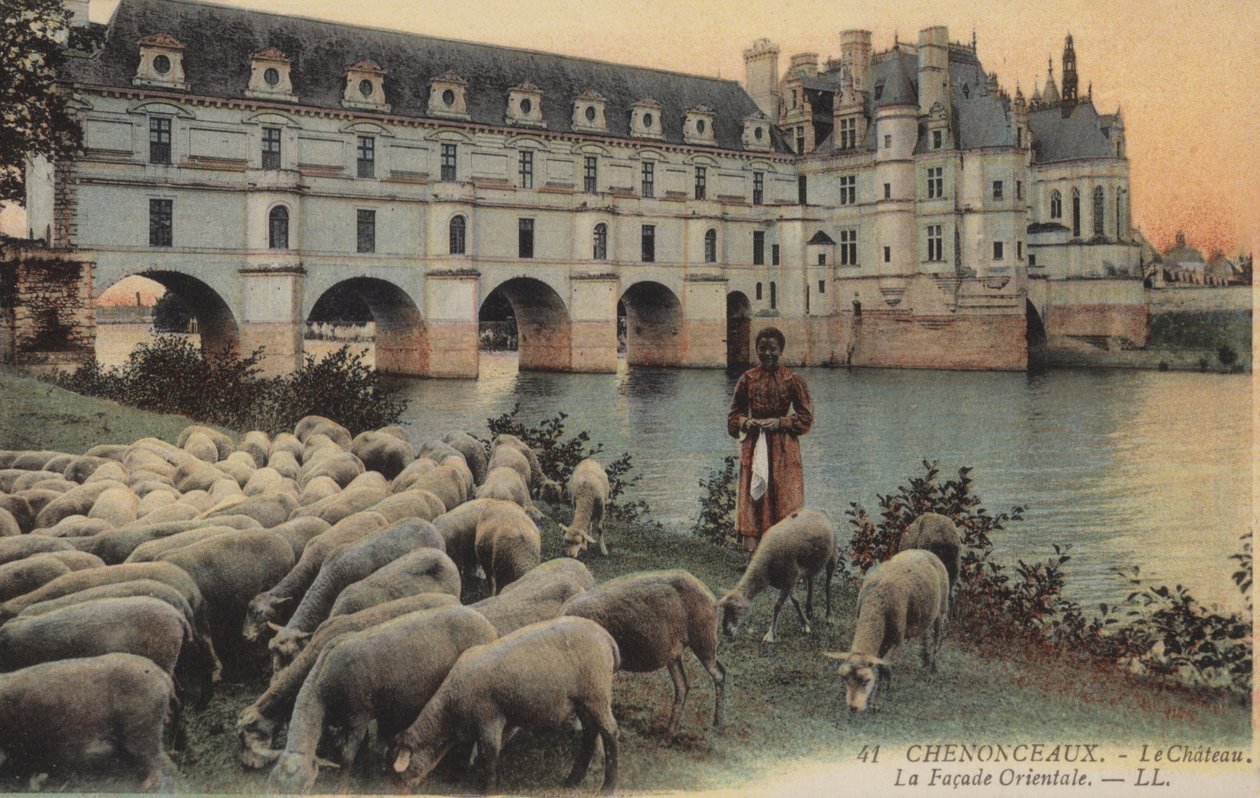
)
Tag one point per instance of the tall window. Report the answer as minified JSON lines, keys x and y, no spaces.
{"x":647,"y":243}
{"x":888,"y":191}
{"x":997,"y":189}
{"x":649,"y":179}
{"x":1019,"y":189}
{"x":366,"y":231}
{"x":590,"y":174}
{"x":759,"y":187}
{"x":802,"y":190}
{"x":160,"y":213}
{"x":701,"y":188}
{"x":938,"y":139}
{"x":848,"y":189}
{"x":526,"y":169}
{"x":448,"y":162}
{"x":159,"y":140}
{"x":774,"y":254}
{"x":758,"y":292}
{"x":459,"y":235}
{"x":271,"y":148}
{"x":848,"y":248}
{"x":600,"y":249}
{"x":525,"y":238}
{"x":800,"y":141}
{"x":759,"y":248}
{"x":1098,"y":210}
{"x":710,"y":246}
{"x":774,"y":295}
{"x":935,"y":244}
{"x":998,"y":250}
{"x":1120,"y":228}
{"x":278,"y":228}
{"x":1076,"y":213}
{"x":1056,"y":204}
{"x":367,"y":156}
{"x":887,"y":254}
{"x":936,"y":182}
{"x":848,"y":133}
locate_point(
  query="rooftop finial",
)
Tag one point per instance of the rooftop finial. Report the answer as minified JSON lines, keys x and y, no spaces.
{"x":973,"y":38}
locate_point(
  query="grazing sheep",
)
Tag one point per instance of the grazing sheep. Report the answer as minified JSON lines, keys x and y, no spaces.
{"x":904,"y":598}
{"x":382,"y":452}
{"x":589,"y":488}
{"x":8,"y":524}
{"x":299,"y":532}
{"x":83,"y":467}
{"x":421,"y":571}
{"x":239,"y":466}
{"x":414,"y":470}
{"x":82,"y":580}
{"x":257,"y":445}
{"x":551,"y":492}
{"x":317,"y":489}
{"x":386,"y":673}
{"x":284,"y":461}
{"x":936,"y":533}
{"x":473,"y":451}
{"x":513,"y":458}
{"x":258,"y":723}
{"x":538,"y":676}
{"x":458,"y":527}
{"x":23,"y":576}
{"x":202,"y":447}
{"x":287,"y":443}
{"x":537,"y":596}
{"x":137,"y":587}
{"x":268,"y":480}
{"x":116,"y":545}
{"x":20,"y":509}
{"x":110,"y":715}
{"x":195,"y":475}
{"x":17,"y":548}
{"x":152,"y":550}
{"x":447,"y":481}
{"x":507,"y":485}
{"x":654,"y":616}
{"x":272,"y":605}
{"x":796,"y":548}
{"x":507,"y":544}
{"x":77,"y":501}
{"x":410,"y":504}
{"x":341,"y":505}
{"x":268,"y":510}
{"x":222,"y":442}
{"x":535,"y":468}
{"x":318,"y":425}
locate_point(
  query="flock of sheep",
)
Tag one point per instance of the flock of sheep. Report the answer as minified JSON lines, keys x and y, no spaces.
{"x":132,"y":575}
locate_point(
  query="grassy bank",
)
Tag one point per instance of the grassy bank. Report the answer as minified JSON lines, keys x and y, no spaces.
{"x":783,"y":706}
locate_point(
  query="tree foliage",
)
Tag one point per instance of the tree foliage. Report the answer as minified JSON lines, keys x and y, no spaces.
{"x":35,"y":117}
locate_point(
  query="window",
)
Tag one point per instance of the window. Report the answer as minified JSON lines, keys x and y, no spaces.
{"x":848,"y":133}
{"x":1076,"y":213}
{"x":848,"y":190}
{"x":888,"y":142}
{"x":758,"y":292}
{"x":887,"y":254}
{"x":710,"y":246}
{"x":600,"y":244}
{"x":888,"y":191}
{"x":278,"y":228}
{"x":590,"y":174}
{"x":526,"y":169}
{"x":802,"y":190}
{"x":1019,"y":189}
{"x":935,"y":243}
{"x":1056,"y":205}
{"x":1120,"y":213}
{"x":647,"y":243}
{"x":998,"y":253}
{"x":1019,"y":137}
{"x":700,"y":182}
{"x":525,"y":238}
{"x":936,"y":182}
{"x":160,"y":213}
{"x":774,"y":254}
{"x":271,"y":148}
{"x":366,"y":231}
{"x":800,"y":141}
{"x":1098,"y":210}
{"x":1032,"y":260}
{"x":759,"y":187}
{"x":649,"y":179}
{"x":448,"y":162}
{"x":822,"y":258}
{"x":159,"y":140}
{"x":367,"y":156}
{"x":938,"y":139}
{"x":459,"y":235}
{"x":759,"y":248}
{"x":822,"y":286}
{"x":997,"y":189}
{"x":774,"y":295}
{"x":1019,"y":250}
{"x":848,"y":248}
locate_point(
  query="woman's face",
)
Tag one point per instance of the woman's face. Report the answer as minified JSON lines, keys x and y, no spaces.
{"x":768,"y":352}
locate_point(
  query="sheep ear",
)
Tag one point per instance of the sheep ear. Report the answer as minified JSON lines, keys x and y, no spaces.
{"x":836,"y":655}
{"x":325,"y":763}
{"x":270,"y":754}
{"x":402,"y":761}
{"x":588,"y":538}
{"x":275,"y":627}
{"x":282,"y":600}
{"x":566,"y":530}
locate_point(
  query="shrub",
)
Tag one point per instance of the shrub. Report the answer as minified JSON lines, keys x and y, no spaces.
{"x":716,"y":522}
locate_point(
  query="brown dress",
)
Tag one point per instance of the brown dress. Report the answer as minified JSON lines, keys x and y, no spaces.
{"x":770,"y":395}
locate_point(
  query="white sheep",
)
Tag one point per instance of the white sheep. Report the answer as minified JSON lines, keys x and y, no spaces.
{"x":904,"y":598}
{"x":507,"y":544}
{"x":796,"y":548}
{"x":936,"y":533}
{"x":589,"y":488}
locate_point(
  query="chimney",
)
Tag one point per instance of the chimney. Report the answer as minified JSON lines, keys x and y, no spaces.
{"x":761,"y":77}
{"x":855,"y":52}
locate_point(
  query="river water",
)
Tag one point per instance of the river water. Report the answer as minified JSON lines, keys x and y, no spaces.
{"x":1129,"y":467}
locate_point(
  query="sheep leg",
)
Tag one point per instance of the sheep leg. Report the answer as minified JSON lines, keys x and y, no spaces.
{"x":607,"y":725}
{"x":586,"y":750}
{"x":809,"y":597}
{"x":679,"y":674}
{"x":489,"y":744}
{"x":774,"y":619}
{"x":603,"y":547}
{"x":801,"y":613}
{"x":718,"y":673}
{"x":352,"y":738}
{"x":831,"y":569}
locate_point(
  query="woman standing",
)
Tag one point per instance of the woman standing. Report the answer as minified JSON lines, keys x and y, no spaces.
{"x":770,"y":402}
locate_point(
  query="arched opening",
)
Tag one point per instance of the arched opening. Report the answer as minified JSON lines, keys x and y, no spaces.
{"x":374,"y":317}
{"x":496,"y":324}
{"x":653,"y":325}
{"x":738,"y":330}
{"x":140,"y":306}
{"x":1035,"y":336}
{"x":540,"y":322}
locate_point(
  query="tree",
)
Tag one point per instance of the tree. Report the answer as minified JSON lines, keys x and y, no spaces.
{"x":35,"y":117}
{"x":171,"y":314}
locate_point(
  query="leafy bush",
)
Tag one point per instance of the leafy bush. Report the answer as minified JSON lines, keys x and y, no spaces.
{"x":716,"y":522}
{"x":171,"y":375}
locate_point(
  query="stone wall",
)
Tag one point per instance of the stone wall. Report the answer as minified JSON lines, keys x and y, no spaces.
{"x":47,"y":316}
{"x":898,"y":339}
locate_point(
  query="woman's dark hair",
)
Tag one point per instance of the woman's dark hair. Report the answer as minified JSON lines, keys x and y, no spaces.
{"x":772,"y":332}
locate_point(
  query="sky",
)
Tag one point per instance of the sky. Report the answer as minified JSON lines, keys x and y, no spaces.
{"x":1181,"y":72}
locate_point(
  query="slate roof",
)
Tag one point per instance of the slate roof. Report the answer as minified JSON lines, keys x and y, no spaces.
{"x":1060,"y":138}
{"x":219,"y":42}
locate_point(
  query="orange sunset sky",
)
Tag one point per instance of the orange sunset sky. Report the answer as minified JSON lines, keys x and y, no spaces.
{"x":1183,"y":73}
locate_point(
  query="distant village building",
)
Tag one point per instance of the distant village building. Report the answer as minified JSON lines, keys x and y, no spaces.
{"x":1185,"y":264}
{"x":254,"y":162}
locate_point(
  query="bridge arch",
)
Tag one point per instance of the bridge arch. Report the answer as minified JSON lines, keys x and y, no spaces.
{"x":215,"y":321}
{"x":654,"y":323}
{"x":401,"y":343}
{"x":543,"y":323}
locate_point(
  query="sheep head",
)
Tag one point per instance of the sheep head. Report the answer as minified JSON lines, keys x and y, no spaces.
{"x":551,"y":492}
{"x":285,"y":646}
{"x":575,"y":540}
{"x":261,"y":610}
{"x":295,"y":773}
{"x":733,"y":607}
{"x":862,"y":675}
{"x":412,"y":765}
{"x":256,"y":734}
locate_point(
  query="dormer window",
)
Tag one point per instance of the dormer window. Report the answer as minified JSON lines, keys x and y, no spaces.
{"x":645,"y":119}
{"x":269,"y":76}
{"x":365,"y":87}
{"x":588,"y":113}
{"x":446,"y":97}
{"x":756,"y":132}
{"x":161,"y":62}
{"x":525,"y":106}
{"x":698,"y":125}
